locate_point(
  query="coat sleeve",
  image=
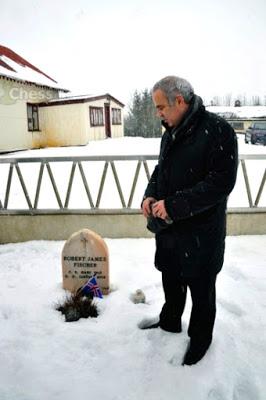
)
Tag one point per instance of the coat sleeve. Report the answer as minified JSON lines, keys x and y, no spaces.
{"x":218,"y":182}
{"x":151,"y":190}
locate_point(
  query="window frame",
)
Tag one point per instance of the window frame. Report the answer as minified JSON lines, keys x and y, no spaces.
{"x":33,"y":117}
{"x":116,"y":116}
{"x":96,"y":116}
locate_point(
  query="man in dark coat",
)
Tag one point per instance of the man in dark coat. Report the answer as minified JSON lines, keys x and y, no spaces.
{"x":185,"y":205}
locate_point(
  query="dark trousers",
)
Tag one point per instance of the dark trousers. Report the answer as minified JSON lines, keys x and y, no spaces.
{"x":203,"y":311}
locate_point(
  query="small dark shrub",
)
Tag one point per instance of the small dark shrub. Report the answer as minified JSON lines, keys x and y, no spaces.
{"x":76,"y":306}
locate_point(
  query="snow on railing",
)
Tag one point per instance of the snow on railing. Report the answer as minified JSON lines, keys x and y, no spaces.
{"x":102,"y":184}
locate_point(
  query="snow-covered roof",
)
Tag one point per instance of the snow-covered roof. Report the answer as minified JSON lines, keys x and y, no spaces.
{"x":239,"y":112}
{"x":14,"y":67}
{"x":81,"y":99}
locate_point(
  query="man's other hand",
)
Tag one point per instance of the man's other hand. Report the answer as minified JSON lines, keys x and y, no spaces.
{"x":147,"y":206}
{"x":158,"y":210}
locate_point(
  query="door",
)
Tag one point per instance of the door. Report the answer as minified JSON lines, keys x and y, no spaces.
{"x":107,"y":120}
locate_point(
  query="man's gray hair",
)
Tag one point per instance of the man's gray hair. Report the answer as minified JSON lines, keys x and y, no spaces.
{"x":173,"y":86}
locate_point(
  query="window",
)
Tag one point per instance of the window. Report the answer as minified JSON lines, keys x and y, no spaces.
{"x":237,"y":125}
{"x":260,"y":125}
{"x":96,"y":116}
{"x":116,"y":116}
{"x":33,"y":117}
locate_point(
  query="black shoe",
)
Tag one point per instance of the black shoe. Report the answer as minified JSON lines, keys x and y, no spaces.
{"x":174,"y":328}
{"x":153,"y":325}
{"x":195,"y":352}
{"x":170,"y":321}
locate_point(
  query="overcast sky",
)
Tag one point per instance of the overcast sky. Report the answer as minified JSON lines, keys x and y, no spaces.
{"x":115,"y":46}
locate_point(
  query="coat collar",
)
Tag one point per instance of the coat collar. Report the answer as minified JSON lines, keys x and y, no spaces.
{"x":190,"y":118}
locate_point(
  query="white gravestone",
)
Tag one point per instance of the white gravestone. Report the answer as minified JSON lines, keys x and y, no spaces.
{"x":84,"y":255}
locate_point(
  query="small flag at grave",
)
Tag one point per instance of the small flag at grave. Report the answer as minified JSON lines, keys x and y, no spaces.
{"x":91,"y":286}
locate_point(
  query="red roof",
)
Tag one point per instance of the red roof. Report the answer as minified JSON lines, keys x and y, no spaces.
{"x":5,"y":51}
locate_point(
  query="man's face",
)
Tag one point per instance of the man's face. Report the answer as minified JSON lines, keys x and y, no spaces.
{"x":171,"y":114}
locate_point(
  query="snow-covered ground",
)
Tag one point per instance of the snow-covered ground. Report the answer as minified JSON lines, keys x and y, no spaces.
{"x":44,"y":358}
{"x":118,"y":146}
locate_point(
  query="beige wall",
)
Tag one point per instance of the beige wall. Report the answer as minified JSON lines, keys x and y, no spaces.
{"x":63,"y":125}
{"x":14,"y":96}
{"x":117,"y":130}
{"x":98,"y":132}
{"x":69,"y":124}
{"x":20,"y":228}
{"x":94,"y":132}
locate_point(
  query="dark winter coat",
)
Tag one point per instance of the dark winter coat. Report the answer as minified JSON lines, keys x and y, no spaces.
{"x":195,"y":174}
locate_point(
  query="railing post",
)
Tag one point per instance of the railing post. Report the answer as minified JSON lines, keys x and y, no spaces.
{"x":147,"y":170}
{"x":247,"y":183}
{"x":118,"y":184}
{"x":85,"y":183}
{"x":260,"y":189}
{"x":70,"y":184}
{"x":54,"y":185}
{"x":134,"y":185}
{"x":102,"y":184}
{"x":9,"y":179}
{"x":23,"y":186}
{"x":38,"y":186}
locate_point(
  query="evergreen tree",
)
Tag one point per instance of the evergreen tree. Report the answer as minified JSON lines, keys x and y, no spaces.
{"x":141,"y":119}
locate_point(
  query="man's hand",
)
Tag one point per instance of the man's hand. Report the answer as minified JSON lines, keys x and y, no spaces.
{"x":147,"y":206}
{"x":158,"y":210}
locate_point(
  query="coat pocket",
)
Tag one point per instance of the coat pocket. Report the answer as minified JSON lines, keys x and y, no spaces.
{"x":200,"y":254}
{"x":190,"y":254}
{"x":166,"y":254}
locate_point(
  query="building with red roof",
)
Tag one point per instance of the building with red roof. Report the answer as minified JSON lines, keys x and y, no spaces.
{"x":34,"y":113}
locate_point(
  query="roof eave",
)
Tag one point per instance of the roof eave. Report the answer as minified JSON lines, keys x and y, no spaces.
{"x":64,"y":101}
{"x":12,"y":78}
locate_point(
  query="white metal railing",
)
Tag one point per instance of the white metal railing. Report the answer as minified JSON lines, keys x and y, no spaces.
{"x":11,"y":169}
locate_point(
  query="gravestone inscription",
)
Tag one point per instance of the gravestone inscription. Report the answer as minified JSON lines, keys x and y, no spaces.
{"x":85,"y":254}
